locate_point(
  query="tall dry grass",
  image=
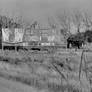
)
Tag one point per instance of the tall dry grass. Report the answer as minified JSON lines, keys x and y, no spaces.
{"x":70,"y":75}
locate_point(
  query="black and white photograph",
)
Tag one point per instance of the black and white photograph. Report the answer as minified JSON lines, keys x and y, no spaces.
{"x":45,"y":45}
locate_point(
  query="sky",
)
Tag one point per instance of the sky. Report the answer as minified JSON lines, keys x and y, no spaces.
{"x":40,"y":10}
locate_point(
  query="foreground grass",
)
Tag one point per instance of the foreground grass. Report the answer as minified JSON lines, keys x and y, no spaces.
{"x":57,"y":74}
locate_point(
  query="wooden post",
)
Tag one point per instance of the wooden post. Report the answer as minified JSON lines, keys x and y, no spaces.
{"x":2,"y":46}
{"x":15,"y":47}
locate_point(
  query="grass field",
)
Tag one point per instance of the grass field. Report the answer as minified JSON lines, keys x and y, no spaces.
{"x":62,"y":71}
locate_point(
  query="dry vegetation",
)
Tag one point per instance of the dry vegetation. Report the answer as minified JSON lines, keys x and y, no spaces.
{"x":62,"y":71}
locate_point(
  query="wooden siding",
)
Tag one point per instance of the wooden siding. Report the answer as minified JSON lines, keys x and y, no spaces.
{"x":12,"y":35}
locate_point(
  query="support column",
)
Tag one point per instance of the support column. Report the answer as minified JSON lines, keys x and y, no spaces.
{"x":15,"y":47}
{"x":2,"y":46}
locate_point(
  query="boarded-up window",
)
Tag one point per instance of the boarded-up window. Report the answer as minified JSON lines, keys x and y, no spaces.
{"x":11,"y":35}
{"x":45,"y":44}
{"x":19,"y":33}
{"x":34,"y":38}
{"x":51,"y":38}
{"x":5,"y":35}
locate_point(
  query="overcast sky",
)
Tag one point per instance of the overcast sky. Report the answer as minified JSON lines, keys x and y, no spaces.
{"x":41,"y":9}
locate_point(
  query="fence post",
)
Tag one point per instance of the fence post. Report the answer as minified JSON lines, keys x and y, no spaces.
{"x":2,"y":46}
{"x":81,"y":61}
{"x":15,"y":47}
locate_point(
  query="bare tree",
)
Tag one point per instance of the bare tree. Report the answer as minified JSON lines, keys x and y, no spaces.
{"x":77,"y":19}
{"x":87,"y":19}
{"x":64,"y":20}
{"x":82,"y":17}
{"x":52,"y":23}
